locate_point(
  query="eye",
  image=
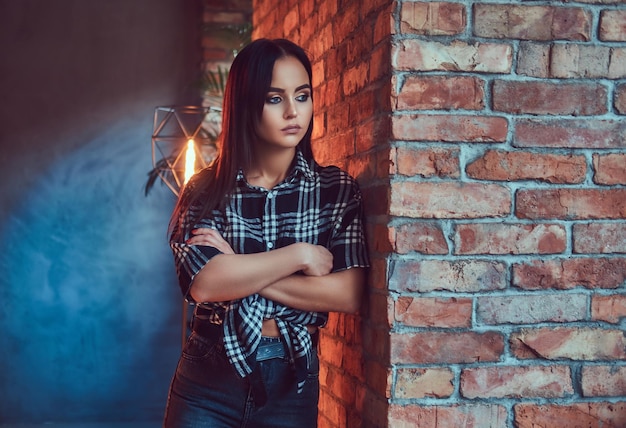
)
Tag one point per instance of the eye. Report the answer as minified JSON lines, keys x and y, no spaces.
{"x":275,"y":99}
{"x":303,"y":97}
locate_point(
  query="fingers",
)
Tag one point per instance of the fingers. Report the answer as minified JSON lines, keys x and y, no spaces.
{"x":321,"y":262}
{"x":210,"y":238}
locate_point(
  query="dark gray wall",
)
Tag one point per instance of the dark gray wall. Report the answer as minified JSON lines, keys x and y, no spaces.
{"x":89,"y":307}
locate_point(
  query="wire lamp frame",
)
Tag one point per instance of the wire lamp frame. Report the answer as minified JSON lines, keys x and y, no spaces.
{"x":173,"y":127}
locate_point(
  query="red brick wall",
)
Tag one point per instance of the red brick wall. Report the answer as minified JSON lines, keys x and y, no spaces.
{"x":489,"y":139}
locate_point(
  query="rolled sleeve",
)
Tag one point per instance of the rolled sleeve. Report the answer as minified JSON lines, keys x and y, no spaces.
{"x":348,"y":245}
{"x":190,"y":259}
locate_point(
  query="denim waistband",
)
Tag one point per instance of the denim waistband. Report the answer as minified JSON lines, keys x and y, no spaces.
{"x":269,"y":347}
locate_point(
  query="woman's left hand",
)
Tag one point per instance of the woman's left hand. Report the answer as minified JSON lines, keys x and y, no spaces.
{"x":210,"y":238}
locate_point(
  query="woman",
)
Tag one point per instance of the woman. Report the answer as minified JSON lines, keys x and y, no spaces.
{"x":266,"y":242}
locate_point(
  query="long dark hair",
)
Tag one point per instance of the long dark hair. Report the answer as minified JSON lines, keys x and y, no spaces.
{"x":248,"y":83}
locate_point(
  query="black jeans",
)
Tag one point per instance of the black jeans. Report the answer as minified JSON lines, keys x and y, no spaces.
{"x":207,"y":392}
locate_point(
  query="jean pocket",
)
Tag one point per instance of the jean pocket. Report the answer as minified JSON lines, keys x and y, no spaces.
{"x":199,"y":348}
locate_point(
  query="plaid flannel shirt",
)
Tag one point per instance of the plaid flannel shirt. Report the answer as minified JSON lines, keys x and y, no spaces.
{"x":314,"y":204}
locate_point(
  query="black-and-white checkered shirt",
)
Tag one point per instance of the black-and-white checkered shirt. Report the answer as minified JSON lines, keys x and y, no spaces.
{"x":314,"y":204}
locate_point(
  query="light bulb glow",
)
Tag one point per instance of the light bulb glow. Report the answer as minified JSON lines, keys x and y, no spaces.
{"x":190,"y":160}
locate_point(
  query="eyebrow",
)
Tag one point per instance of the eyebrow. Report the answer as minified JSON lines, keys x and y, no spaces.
{"x":282,"y":91}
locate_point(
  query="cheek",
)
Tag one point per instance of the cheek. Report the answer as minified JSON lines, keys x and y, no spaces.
{"x":307,"y":111}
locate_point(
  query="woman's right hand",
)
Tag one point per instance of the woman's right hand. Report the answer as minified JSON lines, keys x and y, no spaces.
{"x":317,"y":260}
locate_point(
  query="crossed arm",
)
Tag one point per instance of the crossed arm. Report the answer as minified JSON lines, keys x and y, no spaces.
{"x":276,"y":276}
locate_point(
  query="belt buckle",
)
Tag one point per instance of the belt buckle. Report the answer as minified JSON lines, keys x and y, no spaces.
{"x":270,"y":351}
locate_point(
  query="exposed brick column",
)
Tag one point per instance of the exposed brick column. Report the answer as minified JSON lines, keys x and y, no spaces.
{"x":509,"y":281}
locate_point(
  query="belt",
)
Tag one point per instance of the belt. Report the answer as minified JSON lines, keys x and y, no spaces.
{"x":269,"y":347}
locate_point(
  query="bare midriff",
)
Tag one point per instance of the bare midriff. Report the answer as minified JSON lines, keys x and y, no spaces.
{"x":270,"y":329}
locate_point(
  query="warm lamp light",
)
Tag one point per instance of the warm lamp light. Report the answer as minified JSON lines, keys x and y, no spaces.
{"x":190,"y":160}
{"x":183,"y":142}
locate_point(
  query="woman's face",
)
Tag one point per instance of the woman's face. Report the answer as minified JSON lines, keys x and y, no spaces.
{"x":288,"y":107}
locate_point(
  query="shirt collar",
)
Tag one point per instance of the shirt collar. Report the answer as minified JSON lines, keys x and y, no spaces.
{"x":301,"y":167}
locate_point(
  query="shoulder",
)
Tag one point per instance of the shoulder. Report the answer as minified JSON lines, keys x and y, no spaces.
{"x":337,"y":182}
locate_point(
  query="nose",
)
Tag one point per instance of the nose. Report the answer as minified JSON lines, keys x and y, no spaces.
{"x":290,"y":109}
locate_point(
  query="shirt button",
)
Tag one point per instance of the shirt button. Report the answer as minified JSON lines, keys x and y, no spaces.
{"x":270,"y":245}
{"x":270,"y":195}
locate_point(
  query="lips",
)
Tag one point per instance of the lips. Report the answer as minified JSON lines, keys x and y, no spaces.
{"x":291,"y":129}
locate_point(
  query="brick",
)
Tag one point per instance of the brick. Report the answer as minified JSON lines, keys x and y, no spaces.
{"x":596,"y":415}
{"x":380,"y":66}
{"x":441,"y":93}
{"x":531,"y":309}
{"x":502,"y":238}
{"x":617,"y":64}
{"x":291,"y":21}
{"x":516,"y":382}
{"x":564,"y":274}
{"x":458,"y":276}
{"x":570,"y":133}
{"x":449,"y":200}
{"x":599,"y":237}
{"x":330,"y":92}
{"x":571,"y":61}
{"x":531,"y":97}
{"x":344,"y":387}
{"x":502,"y":165}
{"x":368,"y":166}
{"x":604,"y":381}
{"x":466,"y":416}
{"x":449,"y":128}
{"x":355,"y":78}
{"x":362,"y":106}
{"x":428,"y":162}
{"x":531,"y":22}
{"x":579,"y":344}
{"x":337,"y":119}
{"x":323,"y":42}
{"x":611,"y":308}
{"x":619,"y":102}
{"x":433,"y":19}
{"x":332,"y":409}
{"x":422,"y":383}
{"x":421,"y":55}
{"x":325,"y":12}
{"x":571,"y":204}
{"x":533,"y":59}
{"x":360,"y":44}
{"x":333,"y":350}
{"x":609,"y":169}
{"x":613,"y":25}
{"x":424,"y":238}
{"x":374,"y":133}
{"x":385,"y":23}
{"x":433,"y":312}
{"x":445,"y":347}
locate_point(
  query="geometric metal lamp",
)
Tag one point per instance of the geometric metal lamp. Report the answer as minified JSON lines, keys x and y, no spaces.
{"x":183,"y":142}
